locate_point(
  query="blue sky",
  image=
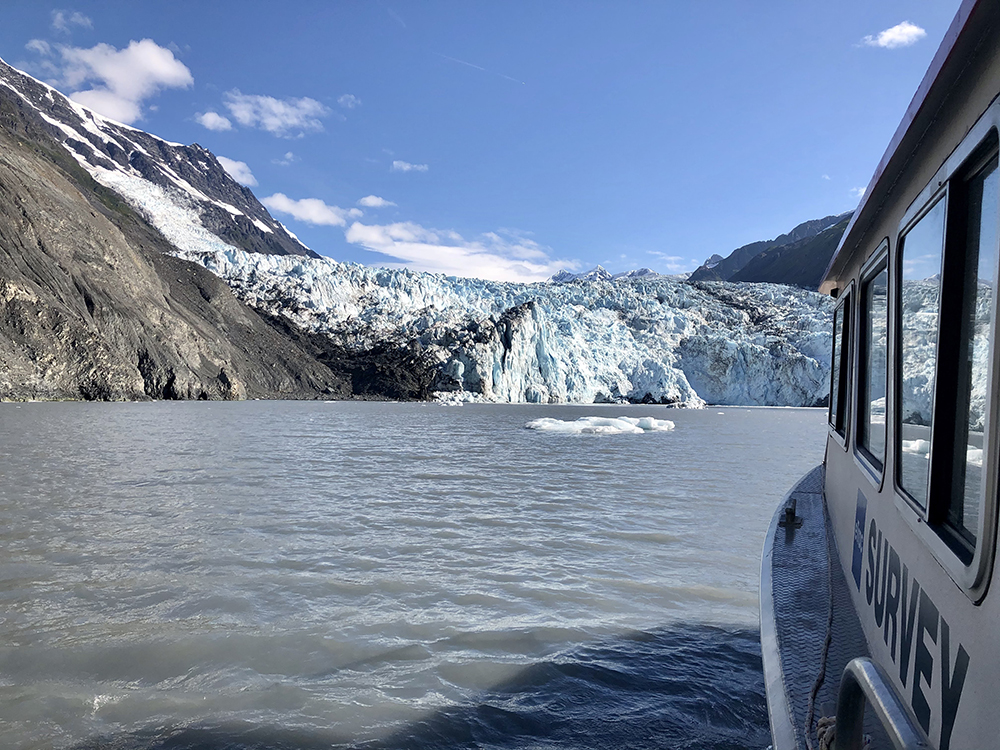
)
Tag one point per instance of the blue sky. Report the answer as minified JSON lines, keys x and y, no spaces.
{"x":508,"y":139}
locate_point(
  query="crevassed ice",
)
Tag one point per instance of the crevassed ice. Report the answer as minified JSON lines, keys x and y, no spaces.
{"x":601,"y":425}
{"x":592,"y":342}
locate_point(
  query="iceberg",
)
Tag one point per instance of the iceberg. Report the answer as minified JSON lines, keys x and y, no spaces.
{"x":601,"y":425}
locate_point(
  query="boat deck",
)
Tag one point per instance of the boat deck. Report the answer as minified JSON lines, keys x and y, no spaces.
{"x":809,"y":628}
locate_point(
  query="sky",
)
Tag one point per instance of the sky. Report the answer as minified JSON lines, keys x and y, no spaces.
{"x":507,"y":140}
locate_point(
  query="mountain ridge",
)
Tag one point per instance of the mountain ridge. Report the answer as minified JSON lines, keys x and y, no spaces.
{"x":227,"y":209}
{"x":717,"y":268}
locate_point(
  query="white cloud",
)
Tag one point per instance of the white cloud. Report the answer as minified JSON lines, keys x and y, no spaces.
{"x":494,"y":257}
{"x":214,"y":121}
{"x":675,"y":263}
{"x":284,"y":161}
{"x":40,"y":46}
{"x":311,"y":210}
{"x":405,"y":166}
{"x":122,"y":79}
{"x":826,"y":177}
{"x":349,"y":101}
{"x":238,"y":170}
{"x":858,"y":192}
{"x":373,"y":201}
{"x":282,"y":117}
{"x":63,"y":20}
{"x":901,"y":35}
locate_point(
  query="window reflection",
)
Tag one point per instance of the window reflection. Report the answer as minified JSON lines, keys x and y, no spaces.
{"x":839,"y":368}
{"x":920,"y":305}
{"x":872,"y":417}
{"x":981,"y":263}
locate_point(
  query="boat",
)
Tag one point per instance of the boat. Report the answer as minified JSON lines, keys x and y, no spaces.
{"x":880,"y":612}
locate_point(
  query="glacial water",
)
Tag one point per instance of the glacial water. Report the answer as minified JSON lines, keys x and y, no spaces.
{"x":376,"y":575}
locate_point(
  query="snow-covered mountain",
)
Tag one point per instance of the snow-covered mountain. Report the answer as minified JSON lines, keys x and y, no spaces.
{"x":117,"y":155}
{"x":583,"y":338}
{"x":600,"y":273}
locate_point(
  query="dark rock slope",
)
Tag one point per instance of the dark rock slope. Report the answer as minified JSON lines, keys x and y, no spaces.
{"x":801,"y":263}
{"x":778,"y":269}
{"x":91,"y":307}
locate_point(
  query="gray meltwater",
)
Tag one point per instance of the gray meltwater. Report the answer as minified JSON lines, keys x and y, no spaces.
{"x":377,"y":575}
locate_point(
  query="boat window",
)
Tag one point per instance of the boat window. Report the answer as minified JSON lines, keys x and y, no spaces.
{"x":874,"y":348}
{"x":920,"y":304}
{"x":971,"y":361}
{"x":840,"y":366}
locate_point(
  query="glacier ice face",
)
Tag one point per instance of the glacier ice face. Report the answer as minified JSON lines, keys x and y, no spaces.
{"x":652,"y":339}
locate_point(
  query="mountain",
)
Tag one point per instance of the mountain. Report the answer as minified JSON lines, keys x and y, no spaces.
{"x":726,"y":269}
{"x":94,"y":303}
{"x":131,"y":267}
{"x":114,"y":153}
{"x":800,"y":263}
{"x":599,"y":273}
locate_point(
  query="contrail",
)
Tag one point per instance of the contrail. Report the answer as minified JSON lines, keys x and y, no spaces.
{"x":479,"y":67}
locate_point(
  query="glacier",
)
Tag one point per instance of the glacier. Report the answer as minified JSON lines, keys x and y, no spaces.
{"x":647,"y":339}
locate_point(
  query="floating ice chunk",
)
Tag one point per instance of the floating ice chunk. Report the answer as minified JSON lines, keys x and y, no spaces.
{"x":919,"y":447}
{"x":601,"y":425}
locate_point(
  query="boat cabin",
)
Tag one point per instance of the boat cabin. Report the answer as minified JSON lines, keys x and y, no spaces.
{"x":906,"y":501}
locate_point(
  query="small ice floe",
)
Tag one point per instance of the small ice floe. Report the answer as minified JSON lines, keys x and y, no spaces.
{"x":456,"y":398}
{"x":918,"y":447}
{"x":601,"y":425}
{"x":973,"y":455}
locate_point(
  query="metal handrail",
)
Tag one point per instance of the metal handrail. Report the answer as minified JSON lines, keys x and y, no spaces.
{"x":863,"y":682}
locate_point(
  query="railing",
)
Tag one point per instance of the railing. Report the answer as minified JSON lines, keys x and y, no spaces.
{"x":864,"y":682}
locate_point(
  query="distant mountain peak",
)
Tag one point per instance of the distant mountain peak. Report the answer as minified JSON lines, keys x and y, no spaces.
{"x":600,"y":273}
{"x":792,"y":267}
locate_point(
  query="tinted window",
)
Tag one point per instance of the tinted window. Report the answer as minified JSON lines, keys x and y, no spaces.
{"x":840,"y":367}
{"x":874,"y":349}
{"x":980,"y":263}
{"x":920,"y":305}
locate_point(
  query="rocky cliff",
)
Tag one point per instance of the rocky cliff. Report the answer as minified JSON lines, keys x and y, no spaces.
{"x":93,"y":305}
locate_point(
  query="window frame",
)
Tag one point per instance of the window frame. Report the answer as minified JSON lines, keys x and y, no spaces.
{"x":971,"y":574}
{"x":941,"y":195}
{"x":872,"y":467}
{"x":846,"y":306}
